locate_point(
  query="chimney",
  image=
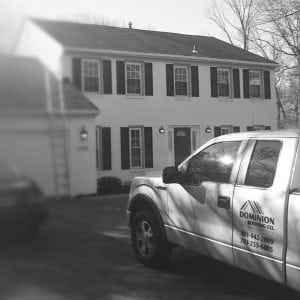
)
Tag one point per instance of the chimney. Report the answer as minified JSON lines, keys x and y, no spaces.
{"x":130,"y":25}
{"x":195,"y":51}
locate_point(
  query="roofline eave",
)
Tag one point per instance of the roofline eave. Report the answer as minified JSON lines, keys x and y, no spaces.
{"x":169,"y":56}
{"x":45,"y":113}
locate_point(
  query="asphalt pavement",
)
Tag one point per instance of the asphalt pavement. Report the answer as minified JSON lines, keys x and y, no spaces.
{"x":84,"y":252}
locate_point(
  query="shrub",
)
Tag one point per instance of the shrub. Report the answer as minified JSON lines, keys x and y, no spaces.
{"x":109,"y":185}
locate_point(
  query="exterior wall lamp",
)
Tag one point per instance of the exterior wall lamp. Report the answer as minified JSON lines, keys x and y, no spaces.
{"x":161,"y":130}
{"x":208,"y":129}
{"x":83,"y":134}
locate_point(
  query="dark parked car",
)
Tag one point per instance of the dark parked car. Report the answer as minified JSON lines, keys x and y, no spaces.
{"x":22,"y":204}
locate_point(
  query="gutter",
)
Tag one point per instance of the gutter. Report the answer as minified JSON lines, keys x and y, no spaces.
{"x":44,"y":113}
{"x":169,"y":56}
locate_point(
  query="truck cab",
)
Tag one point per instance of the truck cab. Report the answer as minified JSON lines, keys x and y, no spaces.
{"x":235,"y":199}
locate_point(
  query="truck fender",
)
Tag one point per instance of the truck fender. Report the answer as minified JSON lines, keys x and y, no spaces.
{"x":141,"y":200}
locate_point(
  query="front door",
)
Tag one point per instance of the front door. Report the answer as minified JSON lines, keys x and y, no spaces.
{"x":260,"y":207}
{"x":182,"y":144}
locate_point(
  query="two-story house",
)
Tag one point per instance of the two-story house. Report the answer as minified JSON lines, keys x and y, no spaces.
{"x":161,"y":95}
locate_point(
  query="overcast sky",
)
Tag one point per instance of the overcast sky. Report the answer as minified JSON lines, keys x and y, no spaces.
{"x":187,"y":16}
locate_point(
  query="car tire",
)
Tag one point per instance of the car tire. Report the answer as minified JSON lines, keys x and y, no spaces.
{"x":147,"y":239}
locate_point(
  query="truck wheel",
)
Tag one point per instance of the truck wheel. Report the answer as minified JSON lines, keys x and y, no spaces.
{"x":147,"y":240}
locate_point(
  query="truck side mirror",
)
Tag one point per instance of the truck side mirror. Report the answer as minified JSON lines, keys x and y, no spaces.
{"x":171,"y":175}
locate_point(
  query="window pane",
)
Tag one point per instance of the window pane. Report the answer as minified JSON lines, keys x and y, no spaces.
{"x":136,"y":157}
{"x":133,"y":75}
{"x":213,"y":163}
{"x":262,"y":167}
{"x":133,"y":86}
{"x":181,"y":88}
{"x":135,"y":148}
{"x":91,"y":76}
{"x":254,"y":84}
{"x":225,"y":130}
{"x":181,"y":81}
{"x":296,"y":176}
{"x":223,"y":90}
{"x":97,"y":149}
{"x":254,"y":91}
{"x":223,"y":83}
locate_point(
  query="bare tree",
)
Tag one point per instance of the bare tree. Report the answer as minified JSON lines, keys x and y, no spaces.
{"x":236,"y":20}
{"x":278,"y":31}
{"x":270,"y":28}
{"x":89,"y":18}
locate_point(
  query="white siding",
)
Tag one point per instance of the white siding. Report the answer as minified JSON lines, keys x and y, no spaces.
{"x":169,"y":112}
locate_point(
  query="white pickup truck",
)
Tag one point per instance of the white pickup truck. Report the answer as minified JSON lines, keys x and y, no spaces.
{"x":236,"y":199}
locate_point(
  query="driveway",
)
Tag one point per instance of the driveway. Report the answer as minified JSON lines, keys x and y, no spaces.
{"x":84,"y":252}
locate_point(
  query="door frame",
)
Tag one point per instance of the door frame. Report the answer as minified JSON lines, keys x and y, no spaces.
{"x":195,"y":140}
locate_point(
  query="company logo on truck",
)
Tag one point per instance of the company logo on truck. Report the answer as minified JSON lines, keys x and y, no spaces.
{"x":253,"y":213}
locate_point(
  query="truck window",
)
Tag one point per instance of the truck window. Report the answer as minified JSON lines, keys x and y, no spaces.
{"x":295,"y":186}
{"x":263,"y":163}
{"x":214,"y":163}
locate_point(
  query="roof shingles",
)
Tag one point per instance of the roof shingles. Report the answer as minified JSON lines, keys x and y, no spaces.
{"x":89,"y":36}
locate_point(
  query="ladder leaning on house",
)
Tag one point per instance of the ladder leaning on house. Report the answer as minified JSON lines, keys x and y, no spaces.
{"x":59,"y":136}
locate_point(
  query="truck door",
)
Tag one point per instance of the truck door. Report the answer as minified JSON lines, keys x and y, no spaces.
{"x":293,"y":229}
{"x":259,"y":207}
{"x":207,"y":187}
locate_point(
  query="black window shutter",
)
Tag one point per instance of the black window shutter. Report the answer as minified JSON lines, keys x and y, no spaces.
{"x":107,"y":85}
{"x":236,"y":83}
{"x":267,"y":127}
{"x":106,"y":148}
{"x":267,"y":85}
{"x":76,"y":64}
{"x":217,"y":131}
{"x":249,"y":128}
{"x":213,"y":82}
{"x":236,"y":128}
{"x":195,"y":81}
{"x":246,"y":83}
{"x":125,"y":156}
{"x":120,"y":77}
{"x":148,"y":147}
{"x":148,"y":79}
{"x":170,"y":79}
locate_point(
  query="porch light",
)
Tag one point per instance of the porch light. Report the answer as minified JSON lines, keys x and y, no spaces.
{"x":83,"y":134}
{"x":208,"y":129}
{"x":161,"y":130}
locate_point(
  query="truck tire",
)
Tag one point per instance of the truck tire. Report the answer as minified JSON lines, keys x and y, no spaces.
{"x":148,"y":243}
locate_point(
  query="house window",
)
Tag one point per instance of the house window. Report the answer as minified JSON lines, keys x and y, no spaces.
{"x":133,"y":78}
{"x":226,"y":129}
{"x":181,"y":80}
{"x":258,"y":127}
{"x":223,"y":82}
{"x":91,"y":76}
{"x":135,"y":147}
{"x":254,"y":84}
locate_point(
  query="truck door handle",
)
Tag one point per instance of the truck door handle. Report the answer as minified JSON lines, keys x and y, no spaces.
{"x":224,"y":202}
